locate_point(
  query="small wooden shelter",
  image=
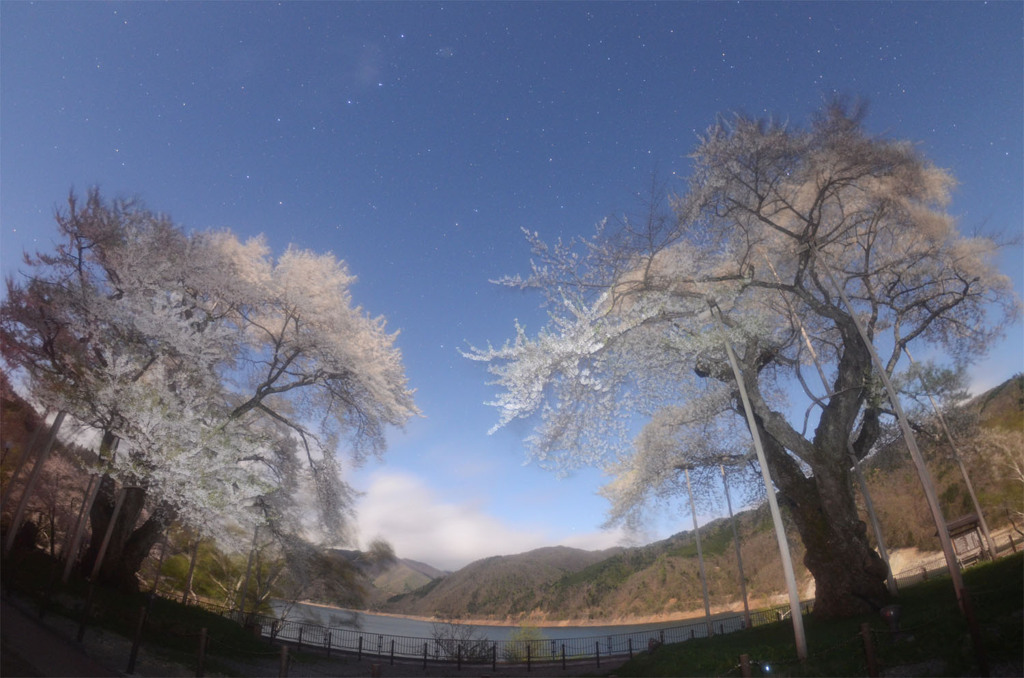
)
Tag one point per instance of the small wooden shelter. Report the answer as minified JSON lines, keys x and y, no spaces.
{"x":965,"y":533}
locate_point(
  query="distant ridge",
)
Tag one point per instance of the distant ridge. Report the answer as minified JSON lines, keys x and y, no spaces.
{"x":661,"y":579}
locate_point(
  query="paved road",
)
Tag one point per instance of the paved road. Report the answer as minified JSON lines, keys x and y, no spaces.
{"x":29,"y":648}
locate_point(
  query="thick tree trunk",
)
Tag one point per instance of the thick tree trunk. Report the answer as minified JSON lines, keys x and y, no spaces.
{"x":129,"y":545}
{"x":849,"y":576}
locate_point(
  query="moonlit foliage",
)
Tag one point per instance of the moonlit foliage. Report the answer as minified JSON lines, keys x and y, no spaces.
{"x":222,"y":371}
{"x":769,"y":214}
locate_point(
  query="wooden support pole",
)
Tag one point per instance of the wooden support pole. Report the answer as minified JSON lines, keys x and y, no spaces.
{"x":201,"y":654}
{"x":773,"y":503}
{"x":83,"y":516}
{"x":700,"y":554}
{"x":924,"y":475}
{"x":282,"y":672}
{"x":136,"y":640}
{"x":745,"y":665}
{"x":990,"y":543}
{"x":30,"y":486}
{"x":26,"y":453}
{"x":118,"y":504}
{"x":191,"y":571}
{"x":248,"y":572}
{"x":739,"y":554}
{"x":869,"y":650}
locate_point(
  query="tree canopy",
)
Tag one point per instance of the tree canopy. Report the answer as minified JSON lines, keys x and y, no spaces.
{"x":771,"y":215}
{"x":228,"y":377}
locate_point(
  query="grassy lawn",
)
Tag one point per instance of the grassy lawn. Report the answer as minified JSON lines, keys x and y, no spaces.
{"x":934,"y":638}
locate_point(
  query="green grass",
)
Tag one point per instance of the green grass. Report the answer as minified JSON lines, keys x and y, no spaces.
{"x":934,"y":632}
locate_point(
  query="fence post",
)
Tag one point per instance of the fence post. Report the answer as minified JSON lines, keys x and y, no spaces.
{"x":283,"y":671}
{"x":328,"y":643}
{"x":458,"y":659}
{"x":300,"y":639}
{"x":136,"y":640}
{"x":202,"y":653}
{"x":597,"y":652}
{"x":529,"y":666}
{"x":424,"y":656}
{"x":84,"y":621}
{"x":563,"y":656}
{"x":869,"y":650}
{"x":745,"y":665}
{"x":359,"y":652}
{"x":494,"y":656}
{"x":392,"y":651}
{"x":629,"y":642}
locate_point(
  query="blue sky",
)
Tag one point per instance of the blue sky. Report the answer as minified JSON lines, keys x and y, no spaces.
{"x":415,"y":140}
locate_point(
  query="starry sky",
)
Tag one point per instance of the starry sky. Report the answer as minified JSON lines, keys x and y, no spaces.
{"x":416,"y":140}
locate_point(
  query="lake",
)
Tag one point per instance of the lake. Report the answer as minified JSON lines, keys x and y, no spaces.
{"x":377,"y":624}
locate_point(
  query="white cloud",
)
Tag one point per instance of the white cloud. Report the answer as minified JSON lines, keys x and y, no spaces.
{"x":419,"y":524}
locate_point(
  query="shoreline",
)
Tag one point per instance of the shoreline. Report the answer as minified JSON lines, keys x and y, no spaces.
{"x":540,"y":623}
{"x":901,"y":560}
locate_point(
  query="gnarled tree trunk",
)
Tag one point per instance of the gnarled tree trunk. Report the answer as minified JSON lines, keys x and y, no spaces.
{"x":849,"y":575}
{"x":130,"y":541}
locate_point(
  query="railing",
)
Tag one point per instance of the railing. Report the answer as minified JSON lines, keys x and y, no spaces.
{"x":458,"y":649}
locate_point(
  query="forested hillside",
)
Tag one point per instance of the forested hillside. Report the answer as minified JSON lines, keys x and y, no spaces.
{"x":662,"y":578}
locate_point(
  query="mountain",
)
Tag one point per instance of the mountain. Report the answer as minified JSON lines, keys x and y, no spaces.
{"x":382,"y":580}
{"x":496,"y":587}
{"x":560,"y":583}
{"x":1003,"y":406}
{"x":403,"y":576}
{"x":662,"y":578}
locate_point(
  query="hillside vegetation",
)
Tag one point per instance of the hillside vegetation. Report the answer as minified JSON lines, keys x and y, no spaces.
{"x":658,"y":580}
{"x":661,"y":579}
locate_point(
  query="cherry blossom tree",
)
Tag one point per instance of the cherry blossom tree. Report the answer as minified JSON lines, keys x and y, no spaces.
{"x":217,"y":374}
{"x":770,"y":212}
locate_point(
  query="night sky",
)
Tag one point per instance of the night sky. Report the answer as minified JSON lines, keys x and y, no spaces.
{"x":416,"y":140}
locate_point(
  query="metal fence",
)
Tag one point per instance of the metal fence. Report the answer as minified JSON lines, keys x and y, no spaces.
{"x":456,"y":643}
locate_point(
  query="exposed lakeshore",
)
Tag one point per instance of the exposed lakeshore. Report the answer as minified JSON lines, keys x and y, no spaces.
{"x":527,"y":620}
